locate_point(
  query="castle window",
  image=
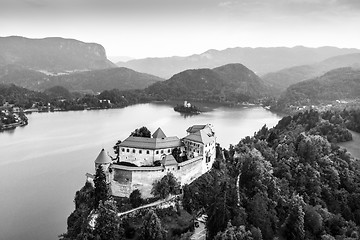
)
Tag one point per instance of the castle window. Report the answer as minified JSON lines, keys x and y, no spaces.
{"x":127,"y":150}
{"x":162,"y":151}
{"x":168,"y":150}
{"x":123,"y":149}
{"x":140,"y":151}
{"x":157,"y":152}
{"x":147,"y":152}
{"x":178,"y":167}
{"x":133,"y":150}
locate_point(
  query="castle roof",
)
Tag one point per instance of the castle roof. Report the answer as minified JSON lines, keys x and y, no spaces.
{"x":203,"y":136}
{"x":151,"y":143}
{"x":195,"y":128}
{"x":159,"y":134}
{"x":103,"y":158}
{"x":169,"y":160}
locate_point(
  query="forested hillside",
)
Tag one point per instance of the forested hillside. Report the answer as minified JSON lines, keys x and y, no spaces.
{"x":288,"y":182}
{"x":228,"y":83}
{"x":288,"y":76}
{"x":338,"y":84}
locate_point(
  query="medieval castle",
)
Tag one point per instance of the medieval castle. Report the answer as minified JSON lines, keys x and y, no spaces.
{"x":143,"y":160}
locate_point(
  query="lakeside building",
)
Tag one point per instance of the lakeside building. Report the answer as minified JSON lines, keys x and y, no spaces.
{"x":144,"y":160}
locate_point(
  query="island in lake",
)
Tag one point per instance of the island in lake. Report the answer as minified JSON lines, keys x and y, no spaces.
{"x":187,"y":108}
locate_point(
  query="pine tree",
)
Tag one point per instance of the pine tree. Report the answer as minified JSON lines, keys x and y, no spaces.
{"x":107,"y":225}
{"x":151,"y":228}
{"x":101,"y":188}
{"x":218,"y":212}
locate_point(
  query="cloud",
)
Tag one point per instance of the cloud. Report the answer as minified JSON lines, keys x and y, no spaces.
{"x":349,"y":3}
{"x":225,"y":4}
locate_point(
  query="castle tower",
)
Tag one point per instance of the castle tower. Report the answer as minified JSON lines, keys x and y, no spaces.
{"x":104,"y":160}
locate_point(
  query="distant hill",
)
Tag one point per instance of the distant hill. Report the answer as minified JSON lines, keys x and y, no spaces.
{"x":342,"y":83}
{"x":260,"y":60}
{"x":232,"y":82}
{"x":106,"y":79}
{"x":95,"y":80}
{"x":52,"y":54}
{"x":286,"y":77}
{"x":20,"y":96}
{"x":58,"y":92}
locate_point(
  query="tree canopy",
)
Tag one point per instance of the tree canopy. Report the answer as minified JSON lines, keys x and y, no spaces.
{"x":164,"y":187}
{"x":141,"y":132}
{"x":101,"y":192}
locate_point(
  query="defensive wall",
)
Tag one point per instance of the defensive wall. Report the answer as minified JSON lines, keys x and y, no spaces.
{"x":125,"y":179}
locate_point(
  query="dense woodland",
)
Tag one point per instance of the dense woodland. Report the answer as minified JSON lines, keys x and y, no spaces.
{"x":292,"y":184}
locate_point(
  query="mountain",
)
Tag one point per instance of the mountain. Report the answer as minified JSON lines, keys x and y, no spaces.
{"x":105,"y":79}
{"x":286,"y":77}
{"x":20,"y":96}
{"x":119,"y":58}
{"x":95,"y":80}
{"x":232,"y":82}
{"x":260,"y":60}
{"x":58,"y":92}
{"x":342,"y":83}
{"x":52,"y":54}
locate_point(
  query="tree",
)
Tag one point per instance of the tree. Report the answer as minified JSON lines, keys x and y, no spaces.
{"x":151,"y":228}
{"x":77,"y":222}
{"x":218,"y":212}
{"x":101,"y":189}
{"x":234,"y":233}
{"x":294,"y":224}
{"x":142,"y":132}
{"x":176,"y":154}
{"x":135,"y":198}
{"x":166,"y":186}
{"x":116,"y":148}
{"x":107,"y":226}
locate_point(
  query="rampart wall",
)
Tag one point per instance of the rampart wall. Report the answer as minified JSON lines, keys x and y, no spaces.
{"x":125,"y":179}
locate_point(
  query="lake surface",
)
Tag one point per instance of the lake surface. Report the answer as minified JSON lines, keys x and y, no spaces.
{"x":43,"y":164}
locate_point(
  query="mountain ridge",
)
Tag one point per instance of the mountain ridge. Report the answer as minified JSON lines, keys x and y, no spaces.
{"x":288,"y":76}
{"x":53,"y":54}
{"x":261,"y":60}
{"x":94,"y":80}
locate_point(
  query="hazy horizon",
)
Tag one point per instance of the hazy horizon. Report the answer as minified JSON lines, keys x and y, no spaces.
{"x":164,"y":28}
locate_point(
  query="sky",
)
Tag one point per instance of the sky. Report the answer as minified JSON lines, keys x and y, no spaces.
{"x":161,"y":28}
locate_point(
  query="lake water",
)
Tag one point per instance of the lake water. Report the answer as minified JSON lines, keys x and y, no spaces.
{"x":43,"y":164}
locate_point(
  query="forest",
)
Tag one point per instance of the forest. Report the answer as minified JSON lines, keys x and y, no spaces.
{"x":288,"y":182}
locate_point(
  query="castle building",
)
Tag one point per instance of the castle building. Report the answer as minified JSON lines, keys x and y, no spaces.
{"x":144,"y":160}
{"x":143,"y":151}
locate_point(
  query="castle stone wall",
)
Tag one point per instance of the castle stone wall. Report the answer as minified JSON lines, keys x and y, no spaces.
{"x":126,"y":179}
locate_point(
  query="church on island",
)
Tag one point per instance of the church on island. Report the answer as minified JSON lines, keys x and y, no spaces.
{"x":143,"y":160}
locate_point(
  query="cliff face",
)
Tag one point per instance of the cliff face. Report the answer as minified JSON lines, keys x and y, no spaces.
{"x":53,"y":54}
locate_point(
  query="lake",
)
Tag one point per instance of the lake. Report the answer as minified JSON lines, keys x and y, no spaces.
{"x":43,"y":164}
